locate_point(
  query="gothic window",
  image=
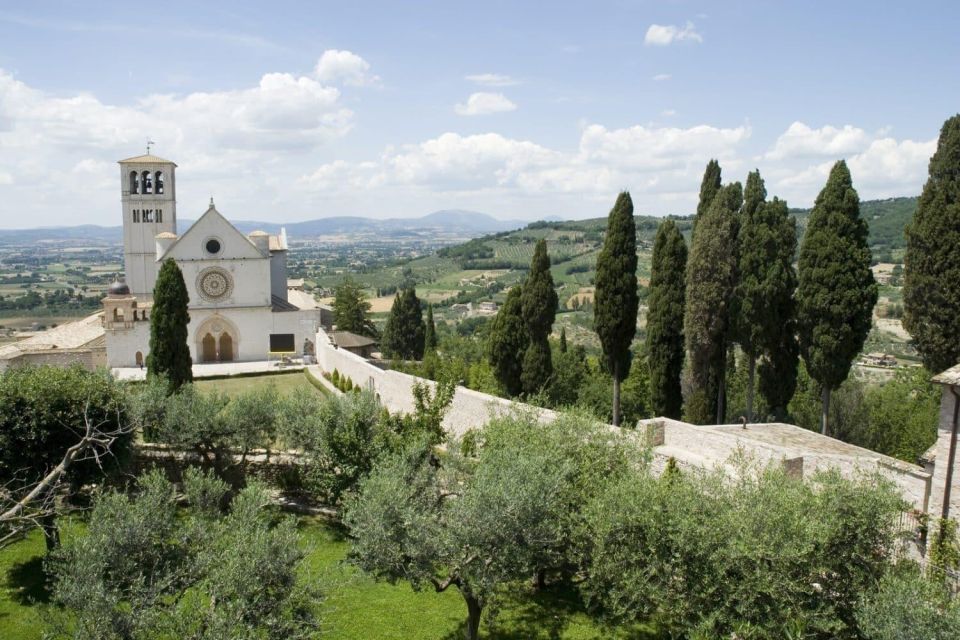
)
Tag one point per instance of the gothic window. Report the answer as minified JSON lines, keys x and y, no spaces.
{"x":158,"y":182}
{"x":134,"y":182}
{"x":136,"y":215}
{"x":147,"y":182}
{"x":148,"y":215}
{"x":159,"y":215}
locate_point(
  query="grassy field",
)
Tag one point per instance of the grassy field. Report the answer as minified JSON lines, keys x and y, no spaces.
{"x":284,"y":383}
{"x":355,"y":607}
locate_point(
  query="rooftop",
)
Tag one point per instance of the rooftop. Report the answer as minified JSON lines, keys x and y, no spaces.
{"x":147,"y":158}
{"x":72,"y":335}
{"x":950,"y":377}
{"x":350,"y":340}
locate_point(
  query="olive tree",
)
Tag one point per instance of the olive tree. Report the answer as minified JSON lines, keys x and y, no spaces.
{"x":145,"y":568}
{"x":493,"y":509}
{"x":757,"y":554}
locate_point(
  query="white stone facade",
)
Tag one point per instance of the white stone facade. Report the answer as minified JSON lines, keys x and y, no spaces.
{"x":237,"y":284}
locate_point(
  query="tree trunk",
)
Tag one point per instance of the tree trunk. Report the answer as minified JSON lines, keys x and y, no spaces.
{"x":825,"y":412}
{"x":474,"y":609}
{"x":721,"y":388}
{"x":751,"y":371}
{"x":51,"y":532}
{"x":540,"y":580}
{"x":616,"y":394}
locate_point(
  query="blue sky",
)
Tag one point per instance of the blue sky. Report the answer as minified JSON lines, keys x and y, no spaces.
{"x":286,"y":111}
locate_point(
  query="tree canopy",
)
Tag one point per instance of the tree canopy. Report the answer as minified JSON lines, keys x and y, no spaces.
{"x":616,"y":299}
{"x":665,"y":307}
{"x":711,"y":278}
{"x":404,"y":334}
{"x":508,"y":341}
{"x":351,"y":309}
{"x":539,"y":307}
{"x":169,"y":356}
{"x":931,"y":293}
{"x":836,"y":290}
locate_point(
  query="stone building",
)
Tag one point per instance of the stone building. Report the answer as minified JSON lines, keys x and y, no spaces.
{"x":239,"y":304}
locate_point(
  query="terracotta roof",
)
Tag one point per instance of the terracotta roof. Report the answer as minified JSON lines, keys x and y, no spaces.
{"x":349,"y":340}
{"x":951,"y":376}
{"x":147,"y":158}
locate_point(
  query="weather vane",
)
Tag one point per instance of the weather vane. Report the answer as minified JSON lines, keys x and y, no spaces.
{"x":149,"y":142}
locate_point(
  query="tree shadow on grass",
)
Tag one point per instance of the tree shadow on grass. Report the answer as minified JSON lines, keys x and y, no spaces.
{"x":545,"y":615}
{"x":28,"y":582}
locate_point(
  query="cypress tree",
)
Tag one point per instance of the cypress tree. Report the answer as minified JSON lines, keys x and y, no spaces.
{"x":778,"y":371}
{"x":836,"y":291}
{"x":616,"y":299}
{"x":539,"y":301}
{"x":169,"y":355}
{"x":563,"y":339}
{"x":403,"y":335}
{"x":931,"y":292}
{"x":764,"y":296}
{"x":430,"y":335}
{"x":711,"y":279}
{"x":508,"y":342}
{"x":351,"y":309}
{"x":665,"y":320}
{"x":709,"y":188}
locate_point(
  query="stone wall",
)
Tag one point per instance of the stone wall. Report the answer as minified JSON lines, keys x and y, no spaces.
{"x":942,"y":457}
{"x":704,"y":447}
{"x":468,"y":410}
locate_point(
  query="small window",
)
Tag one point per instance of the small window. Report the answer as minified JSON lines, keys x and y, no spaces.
{"x":136,"y":215}
{"x":148,"y":215}
{"x":159,"y":215}
{"x":213,"y":246}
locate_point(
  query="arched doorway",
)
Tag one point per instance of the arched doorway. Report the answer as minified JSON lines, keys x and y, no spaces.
{"x":139,"y":359}
{"x":226,"y":347}
{"x":209,"y":350}
{"x":216,"y":340}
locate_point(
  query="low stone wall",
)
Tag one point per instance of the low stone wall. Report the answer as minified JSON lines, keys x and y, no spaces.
{"x":469,"y":409}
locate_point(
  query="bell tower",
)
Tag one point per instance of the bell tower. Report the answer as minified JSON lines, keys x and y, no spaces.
{"x":148,"y":195}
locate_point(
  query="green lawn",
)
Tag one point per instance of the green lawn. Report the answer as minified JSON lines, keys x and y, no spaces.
{"x":284,"y":383}
{"x":354,"y":608}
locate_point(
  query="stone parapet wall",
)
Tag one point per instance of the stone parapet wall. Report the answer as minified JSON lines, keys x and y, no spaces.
{"x":469,"y":409}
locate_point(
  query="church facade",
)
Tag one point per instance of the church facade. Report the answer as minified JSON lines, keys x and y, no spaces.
{"x":240,"y":306}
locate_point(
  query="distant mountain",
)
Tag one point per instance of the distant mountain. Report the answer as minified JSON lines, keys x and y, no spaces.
{"x":448,"y":222}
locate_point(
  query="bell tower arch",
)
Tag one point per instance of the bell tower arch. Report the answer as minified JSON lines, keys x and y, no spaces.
{"x":149,"y":203}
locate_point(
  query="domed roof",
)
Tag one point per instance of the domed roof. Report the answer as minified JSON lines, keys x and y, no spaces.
{"x":118,"y":288}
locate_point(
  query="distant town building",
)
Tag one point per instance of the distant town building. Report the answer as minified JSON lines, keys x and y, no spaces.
{"x":352,"y":342}
{"x":877,"y":359}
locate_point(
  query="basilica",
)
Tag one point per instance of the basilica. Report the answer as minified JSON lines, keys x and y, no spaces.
{"x":241,"y":307}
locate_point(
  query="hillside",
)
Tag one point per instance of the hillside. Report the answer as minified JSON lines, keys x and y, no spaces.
{"x":481,"y":268}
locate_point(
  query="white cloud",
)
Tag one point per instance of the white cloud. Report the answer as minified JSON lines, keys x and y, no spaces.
{"x":492,"y":80}
{"x":668,"y":112}
{"x":233,"y":141}
{"x":660,"y":77}
{"x":336,"y":65}
{"x":801,"y":140}
{"x":483,"y":103}
{"x":660,"y":35}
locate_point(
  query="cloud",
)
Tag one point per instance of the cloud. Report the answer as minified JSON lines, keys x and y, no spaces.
{"x":668,"y":112}
{"x":801,"y":140}
{"x":483,"y":103}
{"x":660,"y":77}
{"x":239,"y":139}
{"x":492,"y":80}
{"x":336,"y":65}
{"x":662,"y":160}
{"x":659,"y":35}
